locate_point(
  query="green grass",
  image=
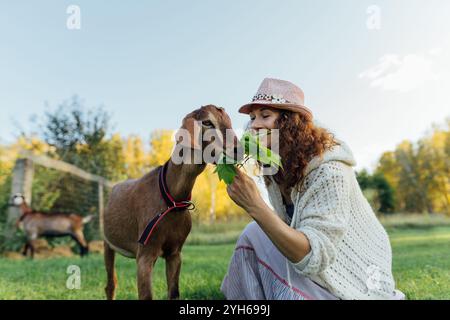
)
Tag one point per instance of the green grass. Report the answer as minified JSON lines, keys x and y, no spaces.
{"x":421,"y":262}
{"x":421,"y":267}
{"x":202,"y":272}
{"x":218,"y":233}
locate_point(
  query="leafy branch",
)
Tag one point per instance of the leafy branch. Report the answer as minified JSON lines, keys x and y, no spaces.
{"x":226,"y":168}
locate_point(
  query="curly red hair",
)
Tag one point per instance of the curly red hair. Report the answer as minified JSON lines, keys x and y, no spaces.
{"x":300,"y":141}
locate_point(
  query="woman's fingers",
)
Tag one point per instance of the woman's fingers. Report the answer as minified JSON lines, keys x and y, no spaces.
{"x":232,"y":188}
{"x":241,"y":175}
{"x":232,"y":193}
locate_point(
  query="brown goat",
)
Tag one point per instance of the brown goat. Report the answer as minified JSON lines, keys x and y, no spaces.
{"x":38,"y":224}
{"x":133,"y":203}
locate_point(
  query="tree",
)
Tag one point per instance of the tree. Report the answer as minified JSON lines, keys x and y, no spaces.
{"x":434,"y":162}
{"x":161,"y":144}
{"x":364,"y":179}
{"x":137,"y":161}
{"x":377,"y":190}
{"x":83,"y":138}
{"x":419,"y":172}
{"x":385,"y":193}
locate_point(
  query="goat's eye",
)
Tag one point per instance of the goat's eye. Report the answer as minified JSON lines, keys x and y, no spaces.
{"x":208,"y":124}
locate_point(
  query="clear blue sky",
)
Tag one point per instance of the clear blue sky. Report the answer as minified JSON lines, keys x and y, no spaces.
{"x":151,"y":62}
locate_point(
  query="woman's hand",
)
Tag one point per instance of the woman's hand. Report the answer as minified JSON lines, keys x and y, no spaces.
{"x":292,"y":244}
{"x":244,"y":192}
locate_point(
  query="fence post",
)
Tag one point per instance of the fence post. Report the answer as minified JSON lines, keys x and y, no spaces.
{"x":100,"y":206}
{"x":22,"y":182}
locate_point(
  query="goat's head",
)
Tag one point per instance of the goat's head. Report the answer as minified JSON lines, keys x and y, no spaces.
{"x":17,"y":200}
{"x":207,"y":132}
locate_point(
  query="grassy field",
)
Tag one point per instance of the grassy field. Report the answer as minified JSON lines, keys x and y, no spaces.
{"x":421,"y":267}
{"x":422,"y":262}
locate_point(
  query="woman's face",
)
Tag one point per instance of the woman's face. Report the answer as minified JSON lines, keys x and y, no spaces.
{"x":263,"y":118}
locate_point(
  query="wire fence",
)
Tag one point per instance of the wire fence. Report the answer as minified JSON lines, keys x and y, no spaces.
{"x":54,"y":186}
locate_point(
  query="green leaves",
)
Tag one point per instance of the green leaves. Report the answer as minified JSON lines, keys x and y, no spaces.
{"x":226,"y":172}
{"x":253,"y":147}
{"x":226,"y":167}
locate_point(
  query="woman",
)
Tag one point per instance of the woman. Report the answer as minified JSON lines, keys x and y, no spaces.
{"x":322,"y":240}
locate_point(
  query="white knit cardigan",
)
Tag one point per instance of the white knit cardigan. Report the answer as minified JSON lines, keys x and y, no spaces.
{"x":350,"y":250}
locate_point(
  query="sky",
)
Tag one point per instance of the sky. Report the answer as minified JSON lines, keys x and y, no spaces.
{"x":373,"y":72}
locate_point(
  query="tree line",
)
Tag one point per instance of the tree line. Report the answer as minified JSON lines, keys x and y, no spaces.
{"x":412,"y":178}
{"x":415,"y":177}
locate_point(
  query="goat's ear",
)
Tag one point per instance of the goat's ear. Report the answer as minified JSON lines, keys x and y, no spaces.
{"x":190,"y":133}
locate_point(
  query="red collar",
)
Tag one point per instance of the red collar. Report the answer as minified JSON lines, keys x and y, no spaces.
{"x":172,"y":205}
{"x":164,"y":190}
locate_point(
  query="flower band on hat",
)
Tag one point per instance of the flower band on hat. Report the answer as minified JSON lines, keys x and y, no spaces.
{"x":274,"y":98}
{"x":278,"y":94}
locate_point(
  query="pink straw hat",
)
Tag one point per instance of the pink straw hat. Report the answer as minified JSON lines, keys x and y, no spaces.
{"x":278,"y":94}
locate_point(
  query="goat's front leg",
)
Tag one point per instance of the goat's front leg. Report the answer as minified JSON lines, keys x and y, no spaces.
{"x":31,"y":247}
{"x":173,"y":266}
{"x":25,"y":249}
{"x":31,"y":241}
{"x":145,"y":264}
